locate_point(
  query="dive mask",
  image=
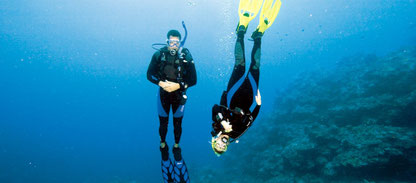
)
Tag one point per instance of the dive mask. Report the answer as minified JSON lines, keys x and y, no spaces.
{"x":225,"y":140}
{"x":173,"y":42}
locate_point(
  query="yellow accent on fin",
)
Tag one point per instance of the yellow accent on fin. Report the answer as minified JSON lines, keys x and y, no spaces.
{"x":268,"y":14}
{"x":247,"y":10}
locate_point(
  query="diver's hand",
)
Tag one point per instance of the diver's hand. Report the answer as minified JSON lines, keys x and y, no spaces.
{"x":227,"y":126}
{"x":166,"y":85}
{"x":162,"y":84}
{"x":258,"y":97}
{"x":172,"y":86}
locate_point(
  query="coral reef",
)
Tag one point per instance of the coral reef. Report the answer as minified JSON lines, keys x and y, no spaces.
{"x":353,"y":122}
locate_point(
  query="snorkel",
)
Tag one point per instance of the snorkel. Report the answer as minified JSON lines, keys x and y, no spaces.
{"x":182,"y":43}
{"x":184,"y":40}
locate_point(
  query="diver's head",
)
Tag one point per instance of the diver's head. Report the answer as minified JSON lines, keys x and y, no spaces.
{"x":173,"y":41}
{"x":220,"y":144}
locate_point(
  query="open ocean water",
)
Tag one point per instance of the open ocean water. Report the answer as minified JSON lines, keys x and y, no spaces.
{"x":76,"y":106}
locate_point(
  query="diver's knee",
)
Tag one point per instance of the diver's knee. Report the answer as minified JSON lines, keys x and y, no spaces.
{"x":256,"y":65}
{"x":177,"y":122}
{"x":163,"y":121}
{"x":239,"y":63}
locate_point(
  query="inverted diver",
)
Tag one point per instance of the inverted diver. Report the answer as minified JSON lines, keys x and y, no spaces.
{"x":240,"y":103}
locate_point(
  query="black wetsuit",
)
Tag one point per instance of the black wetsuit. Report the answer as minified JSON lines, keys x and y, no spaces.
{"x":165,"y":67}
{"x":238,"y":103}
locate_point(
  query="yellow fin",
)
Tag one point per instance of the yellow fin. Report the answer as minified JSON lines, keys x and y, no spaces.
{"x":268,"y":14}
{"x":248,"y":10}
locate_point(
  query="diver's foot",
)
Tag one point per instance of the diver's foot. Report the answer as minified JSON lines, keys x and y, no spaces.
{"x":164,"y":151}
{"x":177,"y":153}
{"x":257,"y":35}
{"x":241,"y":30}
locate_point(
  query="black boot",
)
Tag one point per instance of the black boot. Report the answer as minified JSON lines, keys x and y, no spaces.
{"x":177,"y":153}
{"x":241,"y":30}
{"x":165,"y":152}
{"x":257,"y":35}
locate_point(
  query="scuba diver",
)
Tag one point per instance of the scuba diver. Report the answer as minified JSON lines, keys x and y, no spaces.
{"x":240,"y":103}
{"x":172,"y":69}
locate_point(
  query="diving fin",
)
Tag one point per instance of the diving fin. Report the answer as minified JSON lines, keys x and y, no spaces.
{"x":167,"y":170}
{"x":180,"y":171}
{"x":167,"y":167}
{"x":247,"y":10}
{"x":268,"y":14}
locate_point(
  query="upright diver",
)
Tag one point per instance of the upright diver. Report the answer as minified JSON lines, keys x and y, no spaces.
{"x":241,"y":102}
{"x":172,"y":69}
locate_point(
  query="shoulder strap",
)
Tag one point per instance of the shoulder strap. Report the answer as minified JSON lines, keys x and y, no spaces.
{"x":162,"y":56}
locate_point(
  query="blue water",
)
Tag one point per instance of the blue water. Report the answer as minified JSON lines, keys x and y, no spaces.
{"x":75,"y":104}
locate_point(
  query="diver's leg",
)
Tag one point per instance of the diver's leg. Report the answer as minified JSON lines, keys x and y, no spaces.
{"x":248,"y":89}
{"x":163,"y":128}
{"x":254,"y":69}
{"x":177,"y":126}
{"x":180,"y":172}
{"x":239,"y":65}
{"x":178,"y":110}
{"x":163,"y":105}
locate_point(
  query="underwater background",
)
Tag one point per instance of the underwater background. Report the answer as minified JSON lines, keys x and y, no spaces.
{"x":338,"y":83}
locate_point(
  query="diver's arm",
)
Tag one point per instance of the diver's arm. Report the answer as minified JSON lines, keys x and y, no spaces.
{"x":152,"y":71}
{"x":216,"y":126}
{"x":255,"y":111}
{"x":190,"y":78}
{"x":216,"y":110}
{"x":217,"y":117}
{"x":191,"y":75}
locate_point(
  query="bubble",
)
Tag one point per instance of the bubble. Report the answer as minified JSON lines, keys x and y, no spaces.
{"x":191,"y":3}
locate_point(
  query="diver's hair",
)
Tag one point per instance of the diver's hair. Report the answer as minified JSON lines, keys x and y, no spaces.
{"x":218,"y":153}
{"x":173,"y":33}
